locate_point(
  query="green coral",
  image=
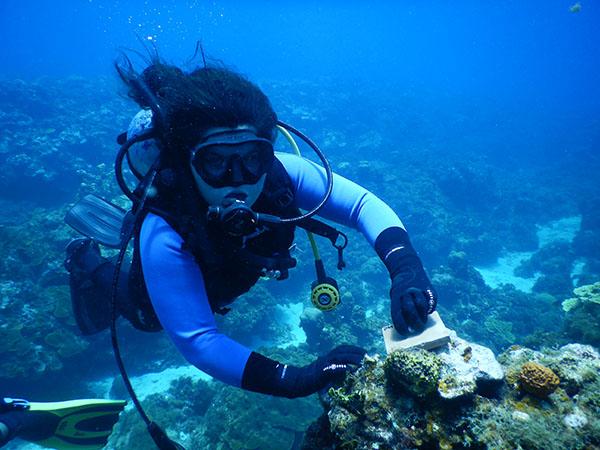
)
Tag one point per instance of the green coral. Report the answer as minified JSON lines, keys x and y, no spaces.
{"x":501,"y":329}
{"x":589,"y":293}
{"x":416,"y":371}
{"x":582,"y":322}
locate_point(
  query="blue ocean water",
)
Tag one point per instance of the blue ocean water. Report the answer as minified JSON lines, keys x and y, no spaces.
{"x":478,"y":122}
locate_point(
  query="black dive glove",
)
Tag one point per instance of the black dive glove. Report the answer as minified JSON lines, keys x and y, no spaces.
{"x":412,"y":295}
{"x":266,"y":376}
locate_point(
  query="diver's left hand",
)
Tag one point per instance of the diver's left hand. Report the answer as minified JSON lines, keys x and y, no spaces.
{"x":413,"y":299}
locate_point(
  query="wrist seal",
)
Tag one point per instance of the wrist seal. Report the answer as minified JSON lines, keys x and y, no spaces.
{"x":397,"y":253}
{"x":267,"y":376}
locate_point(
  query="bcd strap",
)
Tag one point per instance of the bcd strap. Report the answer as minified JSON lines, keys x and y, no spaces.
{"x":338,"y":239}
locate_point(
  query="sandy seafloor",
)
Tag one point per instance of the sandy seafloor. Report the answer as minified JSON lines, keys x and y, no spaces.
{"x":502,"y":271}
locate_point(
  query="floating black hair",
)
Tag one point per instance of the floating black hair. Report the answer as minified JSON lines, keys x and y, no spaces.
{"x":139,"y":90}
{"x":199,"y":47}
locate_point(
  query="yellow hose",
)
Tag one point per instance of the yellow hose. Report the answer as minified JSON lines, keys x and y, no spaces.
{"x":294,"y":146}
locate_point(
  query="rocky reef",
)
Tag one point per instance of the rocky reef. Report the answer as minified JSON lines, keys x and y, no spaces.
{"x":460,"y":397}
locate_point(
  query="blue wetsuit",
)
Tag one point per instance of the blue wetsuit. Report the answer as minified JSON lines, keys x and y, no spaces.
{"x":176,"y":286}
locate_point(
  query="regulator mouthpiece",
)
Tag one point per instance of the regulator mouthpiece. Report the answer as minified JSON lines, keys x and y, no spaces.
{"x":235,"y":217}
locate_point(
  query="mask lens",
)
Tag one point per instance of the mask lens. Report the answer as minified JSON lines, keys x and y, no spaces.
{"x":258,"y":160}
{"x":211,"y":162}
{"x":233,"y":165}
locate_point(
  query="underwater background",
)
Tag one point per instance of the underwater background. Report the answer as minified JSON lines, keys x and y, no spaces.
{"x":478,"y":122}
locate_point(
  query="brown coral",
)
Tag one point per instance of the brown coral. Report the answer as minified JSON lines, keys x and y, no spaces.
{"x":537,"y":380}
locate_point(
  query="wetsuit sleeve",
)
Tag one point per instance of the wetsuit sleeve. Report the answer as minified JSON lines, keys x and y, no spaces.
{"x":176,"y":288}
{"x":349,"y":204}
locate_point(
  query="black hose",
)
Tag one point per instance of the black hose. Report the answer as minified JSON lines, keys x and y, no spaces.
{"x":113,"y":298}
{"x":328,"y":171}
{"x":119,"y":163}
{"x":113,"y":328}
{"x":160,"y":438}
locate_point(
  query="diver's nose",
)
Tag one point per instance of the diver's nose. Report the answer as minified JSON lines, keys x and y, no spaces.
{"x":236,"y":171}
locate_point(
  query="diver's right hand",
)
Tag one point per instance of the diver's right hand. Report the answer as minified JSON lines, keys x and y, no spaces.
{"x":326,"y":370}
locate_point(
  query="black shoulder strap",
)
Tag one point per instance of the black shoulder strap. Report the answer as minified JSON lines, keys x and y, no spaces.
{"x":278,"y":187}
{"x":279,"y":192}
{"x":141,"y":315}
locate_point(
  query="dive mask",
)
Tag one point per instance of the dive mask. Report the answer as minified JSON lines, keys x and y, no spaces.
{"x":232,"y":158}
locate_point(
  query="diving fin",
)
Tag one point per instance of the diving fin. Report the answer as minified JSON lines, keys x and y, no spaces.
{"x":98,"y":219}
{"x":74,"y":424}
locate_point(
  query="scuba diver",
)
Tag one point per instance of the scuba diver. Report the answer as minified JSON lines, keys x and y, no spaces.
{"x":73,"y":424}
{"x":215,"y":209}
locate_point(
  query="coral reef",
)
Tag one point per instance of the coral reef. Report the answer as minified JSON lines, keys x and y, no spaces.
{"x":582,"y":320}
{"x":264,"y":421}
{"x":586,"y":244}
{"x":347,"y":325}
{"x":368,"y":411}
{"x":497,"y":317}
{"x":58,"y":136}
{"x":589,"y":293}
{"x":253,"y":318}
{"x":553,"y":262}
{"x":35,"y":303}
{"x":537,"y":379}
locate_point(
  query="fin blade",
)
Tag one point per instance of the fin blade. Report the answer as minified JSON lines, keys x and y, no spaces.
{"x":84,"y":424}
{"x":68,"y":406}
{"x":98,"y":219}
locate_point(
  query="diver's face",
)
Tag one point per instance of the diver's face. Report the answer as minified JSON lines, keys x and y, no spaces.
{"x":248,"y":193}
{"x":226,"y":169}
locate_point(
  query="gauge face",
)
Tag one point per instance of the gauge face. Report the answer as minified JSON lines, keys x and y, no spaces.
{"x":325,"y":297}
